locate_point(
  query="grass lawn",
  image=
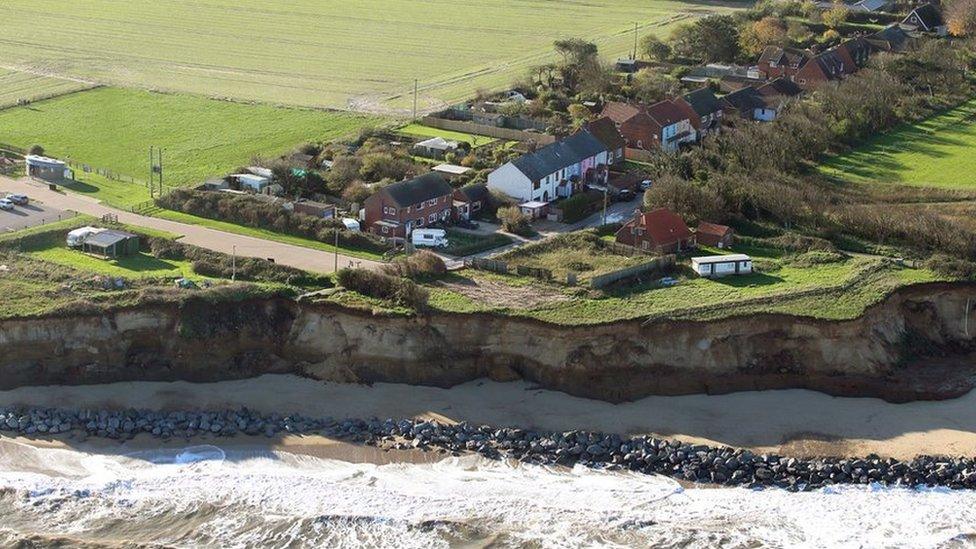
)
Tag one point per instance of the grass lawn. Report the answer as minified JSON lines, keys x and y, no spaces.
{"x":113,"y":128}
{"x":135,"y":266}
{"x":464,"y":243}
{"x":419,"y":130}
{"x":119,"y":193}
{"x":16,"y":86}
{"x":845,"y":289}
{"x":935,"y":153}
{"x":260,"y":233}
{"x":340,"y":54}
{"x":583,"y":253}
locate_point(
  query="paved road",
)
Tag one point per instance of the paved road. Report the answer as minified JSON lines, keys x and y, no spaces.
{"x":219,"y":241}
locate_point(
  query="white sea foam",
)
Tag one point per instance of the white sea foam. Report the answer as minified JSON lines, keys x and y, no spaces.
{"x":202,"y":495}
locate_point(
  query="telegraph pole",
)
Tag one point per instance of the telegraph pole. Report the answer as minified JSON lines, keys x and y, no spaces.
{"x":152,"y":171}
{"x":233,"y":263}
{"x":414,"y":98}
{"x":160,"y":171}
{"x":635,"y":41}
{"x":335,"y":267}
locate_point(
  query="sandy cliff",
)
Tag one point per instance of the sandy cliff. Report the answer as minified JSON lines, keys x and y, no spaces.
{"x":912,"y":346}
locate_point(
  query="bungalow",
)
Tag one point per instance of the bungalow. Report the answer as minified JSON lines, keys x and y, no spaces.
{"x":663,"y":124}
{"x":753,"y":105}
{"x":606,"y":131}
{"x":555,"y":171}
{"x":713,"y":266}
{"x":469,"y":200}
{"x":926,"y":18}
{"x":892,"y":38}
{"x":435,"y":147}
{"x":703,"y":109}
{"x":713,"y":234}
{"x":660,"y":230}
{"x":775,"y":62}
{"x":111,"y":243}
{"x":395,"y":210}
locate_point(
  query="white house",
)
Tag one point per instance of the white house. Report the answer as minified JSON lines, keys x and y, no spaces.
{"x":722,"y":265}
{"x":554,"y":171}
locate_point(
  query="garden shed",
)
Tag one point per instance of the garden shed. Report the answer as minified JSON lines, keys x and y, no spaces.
{"x":111,"y":244}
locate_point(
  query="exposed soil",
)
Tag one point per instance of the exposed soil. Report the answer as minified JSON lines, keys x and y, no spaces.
{"x":498,"y":294}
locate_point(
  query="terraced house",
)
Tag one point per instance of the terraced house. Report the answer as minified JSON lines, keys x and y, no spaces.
{"x":664,"y":124}
{"x":396,"y":210}
{"x":555,"y":171}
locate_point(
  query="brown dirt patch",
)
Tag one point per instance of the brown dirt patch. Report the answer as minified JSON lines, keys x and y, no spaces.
{"x":500,"y":294}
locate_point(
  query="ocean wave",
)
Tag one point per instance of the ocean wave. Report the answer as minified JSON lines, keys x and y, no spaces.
{"x":205,"y":495}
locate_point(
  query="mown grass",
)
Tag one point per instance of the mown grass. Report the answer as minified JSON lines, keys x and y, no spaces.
{"x":339,"y":54}
{"x":265,"y":234}
{"x":419,"y":130}
{"x":937,"y":152}
{"x":113,"y":128}
{"x":16,"y":86}
{"x":464,"y":243}
{"x":139,"y":265}
{"x":845,"y":289}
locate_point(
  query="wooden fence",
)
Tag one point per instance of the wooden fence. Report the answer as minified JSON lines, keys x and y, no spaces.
{"x":640,"y":155}
{"x":658,"y":264}
{"x":491,"y":131}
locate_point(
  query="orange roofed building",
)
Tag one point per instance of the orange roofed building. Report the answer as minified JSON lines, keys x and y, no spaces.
{"x":660,"y":230}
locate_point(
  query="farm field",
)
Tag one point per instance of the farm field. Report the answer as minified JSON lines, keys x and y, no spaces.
{"x":342,"y":54}
{"x":16,"y":86}
{"x":113,"y":128}
{"x":935,"y":153}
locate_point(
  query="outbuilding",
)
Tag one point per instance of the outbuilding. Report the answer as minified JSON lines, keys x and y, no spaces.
{"x":713,"y":234}
{"x":713,"y":266}
{"x":111,"y":243}
{"x":48,"y":169}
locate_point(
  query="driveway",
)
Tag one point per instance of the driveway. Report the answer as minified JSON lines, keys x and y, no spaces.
{"x":211,"y":239}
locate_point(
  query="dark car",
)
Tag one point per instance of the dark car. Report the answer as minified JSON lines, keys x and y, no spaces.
{"x":626,"y":195}
{"x":18,"y":199}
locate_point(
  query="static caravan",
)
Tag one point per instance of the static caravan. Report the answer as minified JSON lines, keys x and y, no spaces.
{"x":713,"y":266}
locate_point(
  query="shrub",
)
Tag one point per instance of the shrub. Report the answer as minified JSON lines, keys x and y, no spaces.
{"x":421,"y":263}
{"x":36,"y":149}
{"x":514,"y":221}
{"x":811,"y":259}
{"x":401,"y":291}
{"x":575,"y":208}
{"x":952,"y":266}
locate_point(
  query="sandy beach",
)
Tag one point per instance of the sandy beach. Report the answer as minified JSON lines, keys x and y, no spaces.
{"x":793,"y":422}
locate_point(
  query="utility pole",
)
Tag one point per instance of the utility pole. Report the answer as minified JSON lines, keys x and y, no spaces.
{"x":635,"y":41}
{"x":606,"y":187}
{"x":160,"y":171}
{"x":233,"y":263}
{"x":414,"y":98}
{"x":152,"y":171}
{"x":335,"y":267}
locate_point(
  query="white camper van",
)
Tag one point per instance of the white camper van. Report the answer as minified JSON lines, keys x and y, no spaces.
{"x":429,"y":237}
{"x":77,"y":237}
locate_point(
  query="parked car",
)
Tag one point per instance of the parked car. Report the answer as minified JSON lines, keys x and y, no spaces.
{"x":626,"y":195}
{"x":18,"y":199}
{"x":6,"y":204}
{"x":645,"y":184}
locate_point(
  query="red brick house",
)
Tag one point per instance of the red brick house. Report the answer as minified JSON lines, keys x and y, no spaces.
{"x":660,"y":230}
{"x":775,"y":62}
{"x":827,"y":66}
{"x":397,"y":209}
{"x":664,"y":124}
{"x":469,"y":200}
{"x":713,"y":234}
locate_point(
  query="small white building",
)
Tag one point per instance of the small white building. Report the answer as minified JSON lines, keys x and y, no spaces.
{"x":251,"y":182}
{"x":713,"y":266}
{"x":48,"y":169}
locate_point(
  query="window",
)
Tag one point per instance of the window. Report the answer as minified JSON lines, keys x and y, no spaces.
{"x":420,"y":221}
{"x":536,"y":185}
{"x":432,"y":218}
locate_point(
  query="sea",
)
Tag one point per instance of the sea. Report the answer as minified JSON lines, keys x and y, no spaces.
{"x":206,"y":496}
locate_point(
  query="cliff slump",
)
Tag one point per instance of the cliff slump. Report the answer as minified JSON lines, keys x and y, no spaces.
{"x":913,"y":345}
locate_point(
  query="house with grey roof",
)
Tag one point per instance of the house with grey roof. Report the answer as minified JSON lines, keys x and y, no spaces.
{"x":555,"y":171}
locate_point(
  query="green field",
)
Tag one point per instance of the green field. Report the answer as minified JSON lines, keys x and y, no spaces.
{"x":343,"y":53}
{"x":113,"y":128}
{"x":423,"y":132}
{"x":17,"y":86}
{"x":135,"y":266}
{"x":938,"y":152}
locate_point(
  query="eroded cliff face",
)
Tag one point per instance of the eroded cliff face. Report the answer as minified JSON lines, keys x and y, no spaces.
{"x":912,"y":346}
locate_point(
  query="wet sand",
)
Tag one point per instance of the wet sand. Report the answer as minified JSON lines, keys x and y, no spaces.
{"x":793,"y":422}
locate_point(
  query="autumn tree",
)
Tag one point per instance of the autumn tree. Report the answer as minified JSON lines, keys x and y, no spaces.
{"x":653,"y":47}
{"x":651,"y":86}
{"x":836,"y":16}
{"x":961,"y":17}
{"x":710,"y":39}
{"x":768,"y":31}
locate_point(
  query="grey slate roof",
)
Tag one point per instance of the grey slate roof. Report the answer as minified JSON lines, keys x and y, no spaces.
{"x":416,"y":190}
{"x":891,"y":38}
{"x":745,"y":99}
{"x":104,"y":239}
{"x":559,"y":155}
{"x":474,"y":192}
{"x":928,"y":15}
{"x":703,"y":101}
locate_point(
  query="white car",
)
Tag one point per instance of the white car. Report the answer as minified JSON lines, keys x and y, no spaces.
{"x":645,"y":184}
{"x":6,"y":204}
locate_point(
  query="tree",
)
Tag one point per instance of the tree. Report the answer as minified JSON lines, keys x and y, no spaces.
{"x":710,"y":39}
{"x":961,"y":17}
{"x":836,"y":16}
{"x":580,"y":114}
{"x":768,"y":31}
{"x":653,"y":47}
{"x":650,"y":86}
{"x":575,"y":51}
{"x":36,"y":149}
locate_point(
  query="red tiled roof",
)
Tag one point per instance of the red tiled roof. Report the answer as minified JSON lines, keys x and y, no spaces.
{"x":664,"y":226}
{"x":713,"y":229}
{"x":666,"y":113}
{"x":620,"y":112}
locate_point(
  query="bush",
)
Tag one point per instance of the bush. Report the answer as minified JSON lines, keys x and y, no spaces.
{"x":255,"y":212}
{"x":952,"y":266}
{"x":401,"y":291}
{"x":36,"y":149}
{"x":812,"y":259}
{"x":514,"y":221}
{"x":575,"y":208}
{"x":421,"y":263}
